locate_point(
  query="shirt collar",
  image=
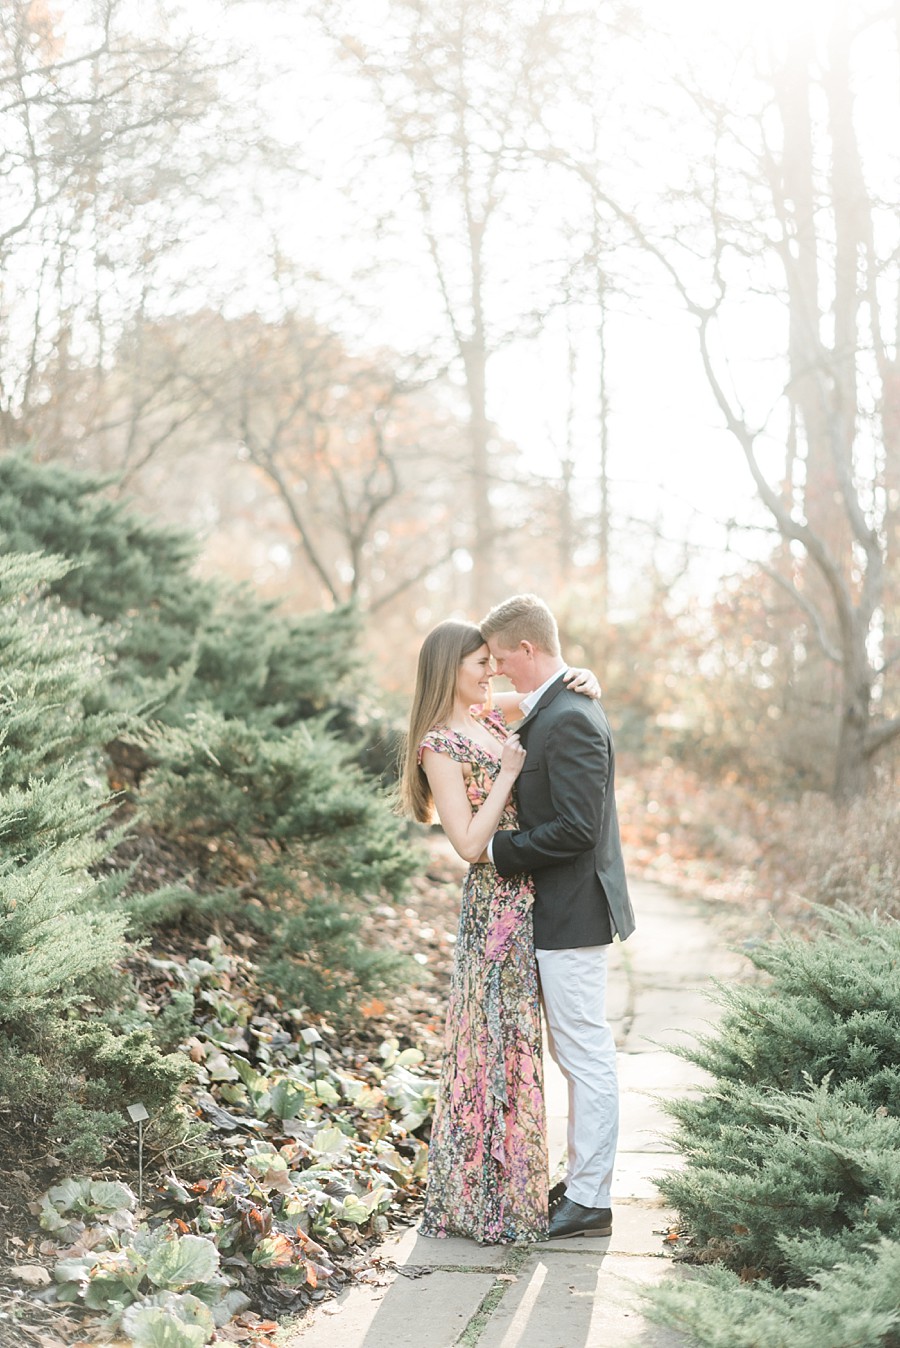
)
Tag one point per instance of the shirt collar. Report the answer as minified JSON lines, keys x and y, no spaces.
{"x":530,"y":700}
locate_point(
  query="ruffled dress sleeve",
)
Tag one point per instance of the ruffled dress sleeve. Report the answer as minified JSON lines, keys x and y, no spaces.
{"x":440,"y":742}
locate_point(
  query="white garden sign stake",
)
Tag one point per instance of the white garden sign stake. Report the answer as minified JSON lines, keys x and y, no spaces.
{"x":312,"y":1037}
{"x":137,"y":1113}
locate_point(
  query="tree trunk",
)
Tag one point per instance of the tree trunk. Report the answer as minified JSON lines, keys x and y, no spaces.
{"x":853,"y":769}
{"x":793,"y":182}
{"x":890,"y":425}
{"x":603,"y":466}
{"x":483,"y":579}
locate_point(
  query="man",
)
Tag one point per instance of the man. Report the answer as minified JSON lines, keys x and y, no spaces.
{"x":568,"y":840}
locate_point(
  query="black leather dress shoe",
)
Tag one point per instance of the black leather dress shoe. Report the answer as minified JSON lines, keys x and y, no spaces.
{"x":556,"y":1193}
{"x":571,"y":1219}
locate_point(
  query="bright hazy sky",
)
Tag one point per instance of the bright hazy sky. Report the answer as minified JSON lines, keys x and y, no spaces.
{"x":669,"y":458}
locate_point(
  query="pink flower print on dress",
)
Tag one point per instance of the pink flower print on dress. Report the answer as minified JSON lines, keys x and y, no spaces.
{"x":500,"y":934}
{"x":487,"y":1161}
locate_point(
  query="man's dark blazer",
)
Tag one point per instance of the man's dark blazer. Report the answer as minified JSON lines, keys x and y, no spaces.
{"x":569,"y":835}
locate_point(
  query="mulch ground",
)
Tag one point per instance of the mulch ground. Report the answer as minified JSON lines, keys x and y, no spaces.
{"x":422,"y":927}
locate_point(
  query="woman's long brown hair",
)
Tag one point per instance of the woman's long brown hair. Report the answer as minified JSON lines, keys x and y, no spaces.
{"x":442,"y":653}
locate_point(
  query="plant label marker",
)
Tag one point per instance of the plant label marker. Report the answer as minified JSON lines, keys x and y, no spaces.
{"x":312,"y":1037}
{"x":138,"y":1113}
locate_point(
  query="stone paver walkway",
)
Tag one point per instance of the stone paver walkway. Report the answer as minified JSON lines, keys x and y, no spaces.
{"x":578,"y":1293}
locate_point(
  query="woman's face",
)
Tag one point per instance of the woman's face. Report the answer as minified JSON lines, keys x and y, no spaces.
{"x":474,"y":677}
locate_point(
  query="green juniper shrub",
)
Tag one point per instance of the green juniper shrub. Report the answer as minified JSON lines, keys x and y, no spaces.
{"x":792,"y":1176}
{"x":315,"y":959}
{"x":850,"y":1305}
{"x":126,"y":574}
{"x":770,"y":1172}
{"x":197,"y":650}
{"x":119,"y":563}
{"x":173,"y":905}
{"x":58,"y":923}
{"x":245,"y":746}
{"x":232,"y":728}
{"x":81,"y":1136}
{"x":224,"y":780}
{"x":173,"y":638}
{"x":50,"y":666}
{"x":61,"y":923}
{"x":829,"y":1005}
{"x":175,"y":1021}
{"x":256,"y":664}
{"x":310,"y":829}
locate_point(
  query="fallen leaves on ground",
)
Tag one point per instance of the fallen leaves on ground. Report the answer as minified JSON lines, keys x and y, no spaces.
{"x":322,"y":1136}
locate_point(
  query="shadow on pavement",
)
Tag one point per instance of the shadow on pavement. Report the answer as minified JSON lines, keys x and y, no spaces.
{"x":449,"y":1292}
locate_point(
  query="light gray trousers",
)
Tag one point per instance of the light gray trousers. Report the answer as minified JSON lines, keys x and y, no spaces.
{"x":573,"y":992}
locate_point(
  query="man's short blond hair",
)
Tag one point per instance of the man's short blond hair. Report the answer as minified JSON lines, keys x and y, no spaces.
{"x":523,"y":617}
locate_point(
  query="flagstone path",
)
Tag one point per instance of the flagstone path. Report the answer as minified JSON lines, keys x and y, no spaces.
{"x":577,"y":1293}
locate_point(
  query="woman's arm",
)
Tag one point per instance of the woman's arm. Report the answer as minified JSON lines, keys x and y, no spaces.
{"x":508,"y":703}
{"x":579,"y":680}
{"x":583,"y":681}
{"x":469,"y":832}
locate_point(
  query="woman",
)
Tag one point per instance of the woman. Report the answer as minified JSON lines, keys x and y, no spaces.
{"x":487,"y":1162}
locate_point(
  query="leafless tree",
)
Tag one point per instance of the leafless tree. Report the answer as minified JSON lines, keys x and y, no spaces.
{"x":102,"y":157}
{"x":790,"y":219}
{"x":455,"y":86}
{"x":364,"y":464}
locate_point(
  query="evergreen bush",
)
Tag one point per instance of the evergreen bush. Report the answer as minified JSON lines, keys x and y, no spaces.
{"x":61,"y":923}
{"x":226,"y":782}
{"x":792,"y":1176}
{"x":827,"y":1006}
{"x":851,"y":1305}
{"x":314,"y":958}
{"x":242,"y":758}
{"x":172,"y":638}
{"x":305,"y":826}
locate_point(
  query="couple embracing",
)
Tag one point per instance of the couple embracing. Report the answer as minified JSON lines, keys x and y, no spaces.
{"x":523,"y":784}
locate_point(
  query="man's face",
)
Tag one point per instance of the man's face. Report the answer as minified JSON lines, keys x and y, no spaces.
{"x":516,"y":663}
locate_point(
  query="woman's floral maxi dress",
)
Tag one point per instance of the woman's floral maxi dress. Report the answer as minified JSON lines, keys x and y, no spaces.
{"x":487,"y":1160}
